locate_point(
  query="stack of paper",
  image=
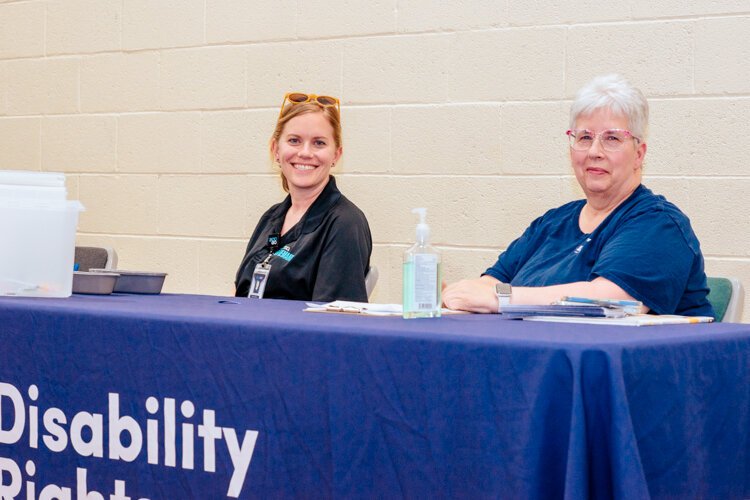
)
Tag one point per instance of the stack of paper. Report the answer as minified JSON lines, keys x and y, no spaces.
{"x":596,"y":311}
{"x":633,"y":320}
{"x":513,"y":311}
{"x":343,"y":306}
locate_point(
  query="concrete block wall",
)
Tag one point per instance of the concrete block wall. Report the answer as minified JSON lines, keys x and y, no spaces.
{"x":160,"y":112}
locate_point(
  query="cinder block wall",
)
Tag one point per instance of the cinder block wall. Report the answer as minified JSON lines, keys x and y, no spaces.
{"x":160,"y":112}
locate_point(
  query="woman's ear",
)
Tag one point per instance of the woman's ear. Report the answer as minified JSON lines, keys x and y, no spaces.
{"x":337,"y":156}
{"x":640,"y":154}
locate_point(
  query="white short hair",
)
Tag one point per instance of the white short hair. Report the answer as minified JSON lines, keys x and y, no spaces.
{"x":615,"y":93}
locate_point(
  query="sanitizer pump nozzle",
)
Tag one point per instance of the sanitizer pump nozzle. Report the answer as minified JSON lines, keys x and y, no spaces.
{"x":423,"y":230}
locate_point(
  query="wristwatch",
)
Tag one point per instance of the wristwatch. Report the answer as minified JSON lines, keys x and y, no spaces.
{"x":503,"y":292}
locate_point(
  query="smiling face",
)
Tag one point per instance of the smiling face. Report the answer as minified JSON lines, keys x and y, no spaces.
{"x":306,"y":151}
{"x":608,"y":175}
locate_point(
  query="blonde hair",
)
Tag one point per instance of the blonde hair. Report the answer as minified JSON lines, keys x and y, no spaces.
{"x":293,"y":110}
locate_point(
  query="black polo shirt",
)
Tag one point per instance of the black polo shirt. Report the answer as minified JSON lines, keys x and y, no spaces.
{"x":324,"y":257}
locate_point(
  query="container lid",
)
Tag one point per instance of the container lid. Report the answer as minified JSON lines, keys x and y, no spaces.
{"x":32,"y":204}
{"x":19,"y":185}
{"x":28,"y":178}
{"x":18,"y":192}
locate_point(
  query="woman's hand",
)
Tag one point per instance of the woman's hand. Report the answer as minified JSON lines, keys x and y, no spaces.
{"x":472,"y":295}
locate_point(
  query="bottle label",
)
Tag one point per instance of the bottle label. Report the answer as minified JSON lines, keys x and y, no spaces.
{"x":425,"y":282}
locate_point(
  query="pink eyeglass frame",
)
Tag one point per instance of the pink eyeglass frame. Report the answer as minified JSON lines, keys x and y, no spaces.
{"x":572,"y":133}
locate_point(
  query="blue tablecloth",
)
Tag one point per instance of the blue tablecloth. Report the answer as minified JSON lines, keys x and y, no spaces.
{"x":344,"y":406}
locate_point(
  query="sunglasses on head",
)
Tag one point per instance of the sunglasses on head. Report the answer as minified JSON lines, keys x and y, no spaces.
{"x":295,"y":98}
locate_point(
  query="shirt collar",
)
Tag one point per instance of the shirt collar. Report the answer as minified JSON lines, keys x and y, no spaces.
{"x":320,"y":207}
{"x":329,"y":197}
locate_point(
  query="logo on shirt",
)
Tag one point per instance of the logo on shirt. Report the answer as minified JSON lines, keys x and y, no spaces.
{"x":285,"y":254}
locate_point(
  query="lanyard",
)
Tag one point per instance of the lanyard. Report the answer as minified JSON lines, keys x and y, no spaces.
{"x":262,"y":270}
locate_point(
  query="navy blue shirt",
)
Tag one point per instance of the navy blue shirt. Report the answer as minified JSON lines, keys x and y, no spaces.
{"x":645,"y":246}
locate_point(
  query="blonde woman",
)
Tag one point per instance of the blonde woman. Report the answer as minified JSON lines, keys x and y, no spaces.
{"x":316,"y":244}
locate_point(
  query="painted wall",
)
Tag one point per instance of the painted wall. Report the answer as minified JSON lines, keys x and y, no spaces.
{"x":159,"y":112}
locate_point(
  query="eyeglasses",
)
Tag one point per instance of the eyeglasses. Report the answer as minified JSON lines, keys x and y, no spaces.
{"x":611,"y":140}
{"x":295,"y":98}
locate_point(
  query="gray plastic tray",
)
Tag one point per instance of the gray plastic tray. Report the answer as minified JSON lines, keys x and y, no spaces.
{"x":97,"y":283}
{"x":136,"y":281}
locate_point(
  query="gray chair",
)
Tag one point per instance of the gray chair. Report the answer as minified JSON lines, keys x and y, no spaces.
{"x":727,"y":298}
{"x":87,"y":258}
{"x":371,"y":279}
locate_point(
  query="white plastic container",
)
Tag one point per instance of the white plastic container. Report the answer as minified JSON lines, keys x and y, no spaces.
{"x":37,"y":230}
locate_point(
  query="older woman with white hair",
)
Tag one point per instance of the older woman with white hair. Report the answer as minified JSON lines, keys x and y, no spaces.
{"x":621,"y":242}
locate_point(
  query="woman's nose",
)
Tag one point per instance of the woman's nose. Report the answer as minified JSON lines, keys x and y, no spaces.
{"x":596,"y":150}
{"x":305,"y":150}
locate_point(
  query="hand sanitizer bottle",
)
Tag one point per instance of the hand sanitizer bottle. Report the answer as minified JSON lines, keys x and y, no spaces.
{"x":422,"y":276}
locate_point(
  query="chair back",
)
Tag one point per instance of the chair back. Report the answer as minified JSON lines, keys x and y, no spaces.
{"x":95,"y":258}
{"x":371,"y":279}
{"x":727,"y":297}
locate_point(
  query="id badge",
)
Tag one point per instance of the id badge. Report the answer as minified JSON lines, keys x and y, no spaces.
{"x":260,"y":278}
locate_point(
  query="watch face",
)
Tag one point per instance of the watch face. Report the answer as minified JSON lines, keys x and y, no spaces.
{"x":502,"y":288}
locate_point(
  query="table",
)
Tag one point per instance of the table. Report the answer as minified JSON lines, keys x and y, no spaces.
{"x":180,"y":396}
